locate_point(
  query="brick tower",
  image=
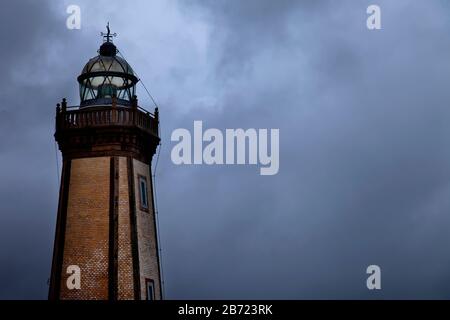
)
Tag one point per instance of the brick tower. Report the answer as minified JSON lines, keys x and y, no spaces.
{"x":106,"y":217}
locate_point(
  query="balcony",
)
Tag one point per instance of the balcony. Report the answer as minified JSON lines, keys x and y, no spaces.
{"x":107,"y":130}
{"x":106,"y":116}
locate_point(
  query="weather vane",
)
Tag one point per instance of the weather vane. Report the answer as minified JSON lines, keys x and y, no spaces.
{"x":108,"y":36}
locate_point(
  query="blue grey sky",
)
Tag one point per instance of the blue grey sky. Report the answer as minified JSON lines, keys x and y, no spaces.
{"x":364,"y":142}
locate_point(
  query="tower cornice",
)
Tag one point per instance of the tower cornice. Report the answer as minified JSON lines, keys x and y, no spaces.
{"x":108,"y":130}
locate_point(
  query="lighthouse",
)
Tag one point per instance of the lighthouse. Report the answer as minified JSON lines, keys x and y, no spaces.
{"x":106,"y":244}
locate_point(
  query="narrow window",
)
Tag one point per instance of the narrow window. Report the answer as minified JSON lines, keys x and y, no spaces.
{"x":143,"y":191}
{"x":150,"y":289}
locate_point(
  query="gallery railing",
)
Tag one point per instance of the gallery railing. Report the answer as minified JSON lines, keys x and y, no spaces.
{"x":103,"y":116}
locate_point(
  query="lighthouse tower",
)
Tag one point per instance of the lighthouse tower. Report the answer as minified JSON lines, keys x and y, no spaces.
{"x":106,"y":237}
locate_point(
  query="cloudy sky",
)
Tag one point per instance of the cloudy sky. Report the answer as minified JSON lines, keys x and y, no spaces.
{"x":364,"y":141}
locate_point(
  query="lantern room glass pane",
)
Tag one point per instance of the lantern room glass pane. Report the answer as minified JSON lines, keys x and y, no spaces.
{"x":105,"y":76}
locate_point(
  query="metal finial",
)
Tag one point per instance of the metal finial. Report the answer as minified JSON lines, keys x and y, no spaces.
{"x":108,"y":36}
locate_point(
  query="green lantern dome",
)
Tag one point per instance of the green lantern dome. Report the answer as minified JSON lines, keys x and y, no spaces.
{"x":105,"y":76}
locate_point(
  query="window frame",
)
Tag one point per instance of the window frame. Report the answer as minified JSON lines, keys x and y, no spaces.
{"x":149,"y":283}
{"x":143,"y":206}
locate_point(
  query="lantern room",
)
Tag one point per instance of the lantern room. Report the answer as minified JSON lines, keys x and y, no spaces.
{"x":106,"y":76}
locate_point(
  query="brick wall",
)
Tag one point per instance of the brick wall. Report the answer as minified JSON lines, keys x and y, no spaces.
{"x":87,"y":228}
{"x":146,"y":234}
{"x":87,"y":231}
{"x":125,"y":258}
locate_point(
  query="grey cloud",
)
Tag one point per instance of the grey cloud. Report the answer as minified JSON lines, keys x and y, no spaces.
{"x":362,"y":118}
{"x":364,"y":163}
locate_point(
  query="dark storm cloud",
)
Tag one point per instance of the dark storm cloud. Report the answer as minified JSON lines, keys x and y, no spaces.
{"x":364,"y":160}
{"x":364,"y":163}
{"x":35,"y":76}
